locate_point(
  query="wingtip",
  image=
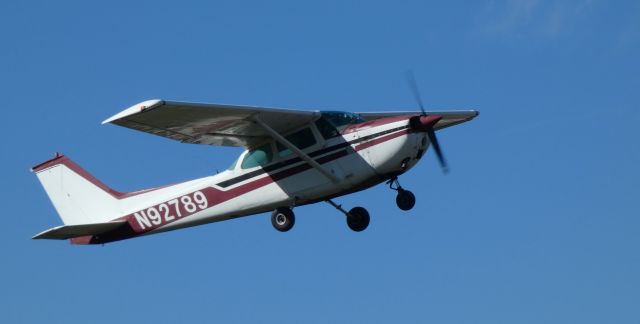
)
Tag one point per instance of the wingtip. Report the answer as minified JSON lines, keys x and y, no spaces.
{"x":135,"y":109}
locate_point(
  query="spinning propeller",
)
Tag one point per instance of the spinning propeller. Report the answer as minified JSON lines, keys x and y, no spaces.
{"x":426,"y":122}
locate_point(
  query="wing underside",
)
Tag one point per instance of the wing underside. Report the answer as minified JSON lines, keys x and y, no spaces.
{"x":209,"y":124}
{"x":231,"y":125}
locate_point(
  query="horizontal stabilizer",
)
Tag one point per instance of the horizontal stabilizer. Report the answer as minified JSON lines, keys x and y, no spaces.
{"x":70,"y":231}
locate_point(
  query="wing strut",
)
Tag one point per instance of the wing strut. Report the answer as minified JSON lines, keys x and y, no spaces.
{"x":295,"y":150}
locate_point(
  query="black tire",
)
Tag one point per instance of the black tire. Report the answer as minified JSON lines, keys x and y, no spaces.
{"x":405,"y":199}
{"x":283,"y":219}
{"x":358,"y":219}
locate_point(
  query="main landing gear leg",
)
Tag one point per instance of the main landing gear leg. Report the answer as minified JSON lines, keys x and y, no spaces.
{"x":405,"y":198}
{"x":357,"y":217}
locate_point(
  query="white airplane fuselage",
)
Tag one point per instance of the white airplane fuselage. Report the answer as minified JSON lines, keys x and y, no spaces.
{"x":363,"y":155}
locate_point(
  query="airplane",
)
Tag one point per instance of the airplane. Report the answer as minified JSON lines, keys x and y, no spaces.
{"x":292,"y":158}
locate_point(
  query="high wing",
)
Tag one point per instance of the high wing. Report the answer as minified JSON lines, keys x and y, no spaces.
{"x":231,"y":125}
{"x":209,"y":124}
{"x":449,"y":118}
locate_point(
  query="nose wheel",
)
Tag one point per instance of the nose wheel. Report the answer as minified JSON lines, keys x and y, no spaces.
{"x":405,"y":198}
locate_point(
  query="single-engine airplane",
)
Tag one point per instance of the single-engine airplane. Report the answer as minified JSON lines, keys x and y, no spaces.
{"x":292,"y":158}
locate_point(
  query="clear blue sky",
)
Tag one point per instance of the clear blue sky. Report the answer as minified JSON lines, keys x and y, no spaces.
{"x":538,"y":221}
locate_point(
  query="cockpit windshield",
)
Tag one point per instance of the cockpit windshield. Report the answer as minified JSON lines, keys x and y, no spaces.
{"x":341,"y":119}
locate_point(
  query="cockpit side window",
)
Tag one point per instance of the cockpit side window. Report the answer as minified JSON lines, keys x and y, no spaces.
{"x":326,"y":129}
{"x":301,"y":139}
{"x":259,"y":156}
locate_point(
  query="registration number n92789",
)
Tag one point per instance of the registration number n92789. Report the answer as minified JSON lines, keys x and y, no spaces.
{"x":171,"y":210}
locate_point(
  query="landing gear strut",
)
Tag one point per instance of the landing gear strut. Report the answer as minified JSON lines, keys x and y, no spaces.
{"x":357,"y":218}
{"x":283,"y":219}
{"x":405,"y":198}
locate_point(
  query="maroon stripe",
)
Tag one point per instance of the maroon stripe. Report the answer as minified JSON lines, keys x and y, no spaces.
{"x":381,"y":139}
{"x":214,"y":197}
{"x":374,"y":123}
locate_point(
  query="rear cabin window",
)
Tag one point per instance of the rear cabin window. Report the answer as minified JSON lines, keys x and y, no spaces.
{"x":301,"y":139}
{"x":260,"y":156}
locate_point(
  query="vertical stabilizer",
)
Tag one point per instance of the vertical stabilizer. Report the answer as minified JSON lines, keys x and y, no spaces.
{"x":79,"y":198}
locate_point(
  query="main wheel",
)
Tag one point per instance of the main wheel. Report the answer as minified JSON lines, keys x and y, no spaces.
{"x":283,"y":219}
{"x":405,"y":199}
{"x":358,"y":219}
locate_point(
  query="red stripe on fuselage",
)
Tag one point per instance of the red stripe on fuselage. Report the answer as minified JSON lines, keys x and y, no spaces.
{"x":216,"y":197}
{"x":381,"y":139}
{"x":374,"y":123}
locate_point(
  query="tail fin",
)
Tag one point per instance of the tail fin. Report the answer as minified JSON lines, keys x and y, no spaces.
{"x":78,"y":197}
